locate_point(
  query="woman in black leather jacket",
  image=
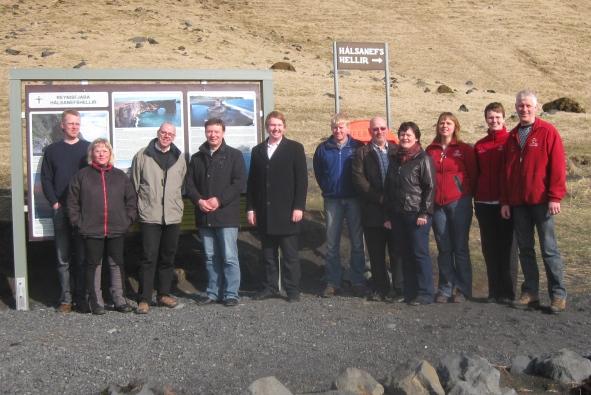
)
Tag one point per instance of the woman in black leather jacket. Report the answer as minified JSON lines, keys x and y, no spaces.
{"x":409,"y":193}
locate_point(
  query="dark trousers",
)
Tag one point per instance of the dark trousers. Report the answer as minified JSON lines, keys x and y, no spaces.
{"x":378,"y":239}
{"x":95,"y":251}
{"x":413,"y":243}
{"x":69,"y":249}
{"x":159,"y":249}
{"x":496,"y":235}
{"x":290,"y":262}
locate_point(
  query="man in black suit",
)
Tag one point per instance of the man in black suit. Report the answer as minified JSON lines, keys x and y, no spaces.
{"x":276,"y":199}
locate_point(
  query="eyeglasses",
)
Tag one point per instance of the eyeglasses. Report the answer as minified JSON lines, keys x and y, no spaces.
{"x":379,"y":129}
{"x":170,"y":134}
{"x":73,"y":123}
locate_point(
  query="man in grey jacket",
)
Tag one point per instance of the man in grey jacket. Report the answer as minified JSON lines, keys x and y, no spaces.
{"x":158,"y":173}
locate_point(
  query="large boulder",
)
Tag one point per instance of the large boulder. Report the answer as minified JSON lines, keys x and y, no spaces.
{"x":522,"y":364}
{"x":444,"y":89}
{"x":563,"y":104}
{"x":267,"y":386}
{"x":468,"y":374}
{"x":283,"y":66}
{"x":359,"y":382}
{"x":565,"y":366}
{"x":414,"y":378}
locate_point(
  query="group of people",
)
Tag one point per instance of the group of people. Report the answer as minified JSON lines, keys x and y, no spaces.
{"x":390,"y":192}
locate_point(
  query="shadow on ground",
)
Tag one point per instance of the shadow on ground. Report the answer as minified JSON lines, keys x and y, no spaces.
{"x":190,"y":268}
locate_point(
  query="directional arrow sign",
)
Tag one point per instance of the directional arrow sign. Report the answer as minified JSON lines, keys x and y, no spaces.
{"x":360,"y":56}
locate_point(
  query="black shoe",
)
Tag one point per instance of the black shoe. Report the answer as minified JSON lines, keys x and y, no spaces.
{"x":124,"y":308}
{"x":230,"y":302}
{"x":293,"y":298}
{"x":98,"y":310}
{"x":266,"y":294}
{"x":82,"y":308}
{"x":206,"y":302}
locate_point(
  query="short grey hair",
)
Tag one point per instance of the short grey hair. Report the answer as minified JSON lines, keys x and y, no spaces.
{"x":526,"y":93}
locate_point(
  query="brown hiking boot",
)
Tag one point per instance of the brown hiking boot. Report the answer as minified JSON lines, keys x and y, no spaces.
{"x":167,"y":301}
{"x":64,"y":308}
{"x":558,"y":305}
{"x":329,"y":292}
{"x":458,"y":297}
{"x":441,"y":298}
{"x":142,"y":308}
{"x":527,"y":301}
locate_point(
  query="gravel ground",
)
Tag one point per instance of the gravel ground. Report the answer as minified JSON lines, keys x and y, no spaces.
{"x":220,"y":350}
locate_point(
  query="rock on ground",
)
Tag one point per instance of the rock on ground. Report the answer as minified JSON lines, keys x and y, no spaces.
{"x":267,"y":386}
{"x":359,"y":382}
{"x":564,"y":365}
{"x":414,"y":378}
{"x":471,"y":374}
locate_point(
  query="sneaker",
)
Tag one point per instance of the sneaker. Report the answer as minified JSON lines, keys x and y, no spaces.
{"x":375,"y":297}
{"x":329,"y":292}
{"x":441,"y":298}
{"x":527,"y":301}
{"x":230,"y":302}
{"x":558,"y":305}
{"x":98,"y":310}
{"x":206,"y":302}
{"x":64,"y":308}
{"x":167,"y":301}
{"x":123,"y":308}
{"x":142,"y":308}
{"x":420,"y":301}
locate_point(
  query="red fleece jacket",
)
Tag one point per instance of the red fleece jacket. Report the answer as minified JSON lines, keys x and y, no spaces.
{"x":536,"y":174}
{"x":456,"y":171}
{"x":490,"y":156}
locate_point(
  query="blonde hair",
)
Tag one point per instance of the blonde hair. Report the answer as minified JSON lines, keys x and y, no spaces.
{"x":457,"y":129}
{"x":338,"y":118}
{"x":100,"y":141}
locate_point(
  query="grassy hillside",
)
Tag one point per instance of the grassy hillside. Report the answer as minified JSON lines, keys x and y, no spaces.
{"x":497,"y":48}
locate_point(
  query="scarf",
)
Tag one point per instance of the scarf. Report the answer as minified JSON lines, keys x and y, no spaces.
{"x":405,"y":154}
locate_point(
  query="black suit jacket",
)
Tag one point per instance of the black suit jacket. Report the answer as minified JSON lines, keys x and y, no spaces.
{"x":277,"y":186}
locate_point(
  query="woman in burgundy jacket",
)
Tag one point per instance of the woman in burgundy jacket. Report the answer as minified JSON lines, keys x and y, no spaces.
{"x":456,"y":173}
{"x":102,"y":205}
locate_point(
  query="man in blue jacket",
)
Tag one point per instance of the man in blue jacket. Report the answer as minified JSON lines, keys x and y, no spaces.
{"x":332,"y":168}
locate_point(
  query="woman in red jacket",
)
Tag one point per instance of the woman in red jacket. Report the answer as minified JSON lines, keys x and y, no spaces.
{"x":496,"y":233}
{"x":456,"y":172}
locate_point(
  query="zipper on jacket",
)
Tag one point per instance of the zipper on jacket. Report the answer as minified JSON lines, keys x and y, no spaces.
{"x":105,"y":208}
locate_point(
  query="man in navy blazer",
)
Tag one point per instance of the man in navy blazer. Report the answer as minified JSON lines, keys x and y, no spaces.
{"x":276,"y":199}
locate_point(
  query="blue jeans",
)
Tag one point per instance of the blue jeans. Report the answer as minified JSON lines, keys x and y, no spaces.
{"x":221,"y":262}
{"x":525,"y":218}
{"x":451,"y":227}
{"x":336,"y":211}
{"x":413,"y":243}
{"x":69,"y":248}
